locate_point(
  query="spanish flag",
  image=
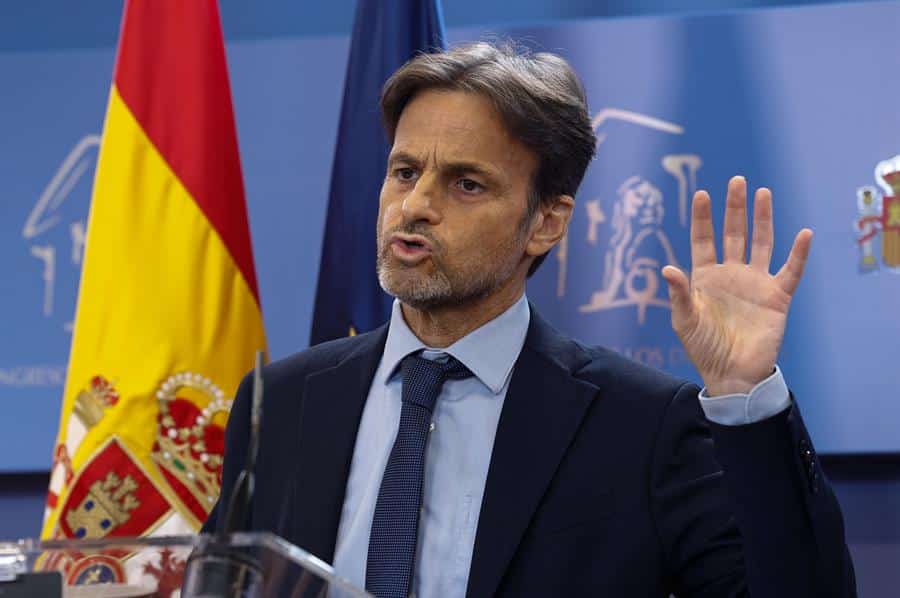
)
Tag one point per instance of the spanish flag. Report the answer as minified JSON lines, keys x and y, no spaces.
{"x":168,"y":316}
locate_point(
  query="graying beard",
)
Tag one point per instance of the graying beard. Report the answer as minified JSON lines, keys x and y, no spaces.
{"x":430,"y":295}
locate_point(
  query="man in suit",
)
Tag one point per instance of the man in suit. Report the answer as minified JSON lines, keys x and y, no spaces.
{"x":467,"y":448}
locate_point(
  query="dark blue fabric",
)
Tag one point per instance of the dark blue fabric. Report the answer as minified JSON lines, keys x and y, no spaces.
{"x":385,"y":36}
{"x":395,"y":525}
{"x":605,"y":479}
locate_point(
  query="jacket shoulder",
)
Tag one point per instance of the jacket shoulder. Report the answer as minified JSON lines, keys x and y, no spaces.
{"x":293,"y":369}
{"x":617,"y":374}
{"x":611,"y":372}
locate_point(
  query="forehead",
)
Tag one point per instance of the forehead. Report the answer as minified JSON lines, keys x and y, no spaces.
{"x":459,"y":125}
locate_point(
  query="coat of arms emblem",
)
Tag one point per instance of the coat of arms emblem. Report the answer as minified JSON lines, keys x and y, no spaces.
{"x":879,"y":215}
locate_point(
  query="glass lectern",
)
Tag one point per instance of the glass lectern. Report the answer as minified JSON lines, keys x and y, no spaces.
{"x":245,"y":565}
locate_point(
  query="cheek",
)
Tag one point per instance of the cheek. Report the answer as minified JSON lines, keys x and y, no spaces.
{"x":485,"y":237}
{"x":389,"y":212}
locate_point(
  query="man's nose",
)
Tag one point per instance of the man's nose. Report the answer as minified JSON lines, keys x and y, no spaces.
{"x":419,"y":205}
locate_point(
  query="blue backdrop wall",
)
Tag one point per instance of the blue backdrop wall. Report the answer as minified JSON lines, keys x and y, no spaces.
{"x":766,"y":94}
{"x":679,"y":103}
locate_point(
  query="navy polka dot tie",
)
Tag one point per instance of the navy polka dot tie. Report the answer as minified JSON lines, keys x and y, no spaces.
{"x":395,"y":525}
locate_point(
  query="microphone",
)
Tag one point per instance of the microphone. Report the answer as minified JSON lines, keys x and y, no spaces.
{"x":242,"y":495}
{"x":217,"y":569}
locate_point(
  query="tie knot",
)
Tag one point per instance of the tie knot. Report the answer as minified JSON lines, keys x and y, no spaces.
{"x":423,"y":378}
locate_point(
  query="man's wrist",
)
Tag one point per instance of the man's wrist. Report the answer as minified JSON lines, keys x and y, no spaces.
{"x":718,"y":388}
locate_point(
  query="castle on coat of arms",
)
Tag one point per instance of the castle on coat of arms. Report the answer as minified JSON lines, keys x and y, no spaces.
{"x":108,"y":504}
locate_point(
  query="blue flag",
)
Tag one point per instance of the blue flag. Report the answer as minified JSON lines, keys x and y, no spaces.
{"x":385,"y":35}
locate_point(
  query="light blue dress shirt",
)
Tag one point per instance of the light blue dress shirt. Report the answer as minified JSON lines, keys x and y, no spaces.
{"x":460,"y":446}
{"x":458,"y":454}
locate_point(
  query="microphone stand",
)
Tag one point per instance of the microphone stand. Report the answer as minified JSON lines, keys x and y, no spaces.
{"x":216,"y":569}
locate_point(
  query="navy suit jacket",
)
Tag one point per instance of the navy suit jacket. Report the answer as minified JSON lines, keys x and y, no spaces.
{"x":606,"y":479}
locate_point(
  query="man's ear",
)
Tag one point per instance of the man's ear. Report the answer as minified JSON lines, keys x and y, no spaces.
{"x":549,"y":224}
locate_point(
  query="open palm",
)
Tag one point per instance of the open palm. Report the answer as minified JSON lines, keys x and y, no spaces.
{"x":731,"y":316}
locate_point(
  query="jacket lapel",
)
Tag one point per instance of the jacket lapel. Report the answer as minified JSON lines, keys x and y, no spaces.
{"x":332,"y":406}
{"x":542,"y":411}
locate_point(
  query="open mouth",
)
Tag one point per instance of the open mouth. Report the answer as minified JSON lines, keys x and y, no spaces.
{"x":410,"y":247}
{"x":413,"y":244}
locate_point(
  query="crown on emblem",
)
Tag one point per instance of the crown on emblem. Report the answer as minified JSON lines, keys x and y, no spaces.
{"x":92,"y":402}
{"x":889,"y":172}
{"x":189,"y":447}
{"x":108,"y":504}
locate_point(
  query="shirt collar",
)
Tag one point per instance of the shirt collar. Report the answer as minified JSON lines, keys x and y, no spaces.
{"x":489,"y":351}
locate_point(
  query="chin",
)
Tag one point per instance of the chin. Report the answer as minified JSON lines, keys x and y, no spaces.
{"x":424,"y":304}
{"x":416,"y":290}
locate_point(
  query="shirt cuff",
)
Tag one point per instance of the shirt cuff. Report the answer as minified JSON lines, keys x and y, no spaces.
{"x":769,"y":397}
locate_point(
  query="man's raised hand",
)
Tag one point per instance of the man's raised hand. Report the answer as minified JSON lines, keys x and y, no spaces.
{"x":731,"y":316}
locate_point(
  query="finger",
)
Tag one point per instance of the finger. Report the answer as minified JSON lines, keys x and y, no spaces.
{"x":734,"y":234}
{"x":703,"y":241}
{"x":679,"y":296}
{"x":763,"y":235}
{"x":789,"y":276}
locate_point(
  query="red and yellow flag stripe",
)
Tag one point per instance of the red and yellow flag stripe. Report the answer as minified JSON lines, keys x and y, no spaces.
{"x":168,"y":316}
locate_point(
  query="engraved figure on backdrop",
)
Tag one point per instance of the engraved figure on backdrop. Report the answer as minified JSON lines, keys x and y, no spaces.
{"x":637,"y":250}
{"x":46,"y":215}
{"x":630,"y":274}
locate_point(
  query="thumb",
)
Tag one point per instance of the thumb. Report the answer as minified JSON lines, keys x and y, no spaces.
{"x":679,"y":294}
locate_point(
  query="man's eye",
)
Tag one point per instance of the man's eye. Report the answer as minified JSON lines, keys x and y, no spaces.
{"x":405,"y":174}
{"x":469,"y":186}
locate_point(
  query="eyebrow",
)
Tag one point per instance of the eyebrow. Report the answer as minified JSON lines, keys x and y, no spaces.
{"x":402,"y":157}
